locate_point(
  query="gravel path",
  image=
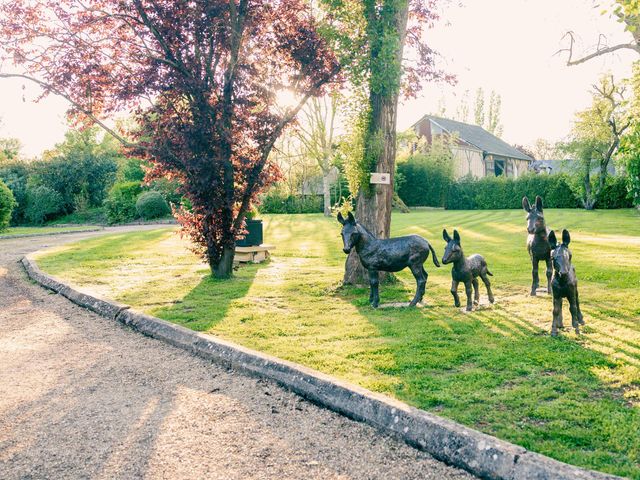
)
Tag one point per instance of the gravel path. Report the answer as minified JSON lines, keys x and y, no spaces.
{"x":83,"y":397}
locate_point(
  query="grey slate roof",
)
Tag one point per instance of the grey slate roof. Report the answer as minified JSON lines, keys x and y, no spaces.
{"x":478,"y":137}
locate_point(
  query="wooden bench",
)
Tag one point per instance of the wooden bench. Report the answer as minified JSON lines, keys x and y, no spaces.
{"x":255,"y":254}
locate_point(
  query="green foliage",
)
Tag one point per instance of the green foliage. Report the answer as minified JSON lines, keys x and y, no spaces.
{"x":169,"y":190}
{"x":15,"y":174}
{"x":152,"y":205}
{"x":130,"y":170}
{"x":7,"y":204}
{"x":81,"y":169}
{"x":42,"y":203}
{"x":275,"y":201}
{"x":503,"y":192}
{"x":424,"y":179}
{"x":615,"y":193}
{"x":120,"y":205}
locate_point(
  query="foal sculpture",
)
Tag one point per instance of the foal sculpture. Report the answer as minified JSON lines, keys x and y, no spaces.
{"x":387,"y":255}
{"x":465,"y":270}
{"x":537,"y":242}
{"x":564,"y":283}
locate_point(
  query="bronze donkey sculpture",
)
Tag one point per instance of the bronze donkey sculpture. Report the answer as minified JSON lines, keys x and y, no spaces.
{"x":537,"y":242}
{"x":387,"y":255}
{"x":465,"y":270}
{"x":564,"y":283}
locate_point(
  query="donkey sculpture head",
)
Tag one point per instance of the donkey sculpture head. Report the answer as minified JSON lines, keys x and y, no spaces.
{"x":350,"y":234}
{"x":561,"y":255}
{"x":535,"y":216}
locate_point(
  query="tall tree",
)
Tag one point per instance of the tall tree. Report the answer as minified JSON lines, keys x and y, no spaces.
{"x":316,"y":131}
{"x":199,"y":78}
{"x":478,"y":108}
{"x":493,"y":124}
{"x":376,"y":34}
{"x":596,"y":136}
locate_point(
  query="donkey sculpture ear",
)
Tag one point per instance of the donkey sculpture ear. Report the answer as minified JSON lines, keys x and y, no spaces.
{"x":553,"y":241}
{"x":538,"y":203}
{"x":456,"y":237}
{"x":340,"y":218}
{"x":526,"y":205}
{"x":351,"y":219}
{"x":566,"y":238}
{"x":445,"y":235}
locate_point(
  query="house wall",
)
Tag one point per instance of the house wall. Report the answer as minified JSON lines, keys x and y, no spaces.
{"x":513,"y":167}
{"x":467,"y":161}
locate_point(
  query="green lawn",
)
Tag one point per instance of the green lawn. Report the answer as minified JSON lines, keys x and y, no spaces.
{"x":496,"y":369}
{"x":40,"y":230}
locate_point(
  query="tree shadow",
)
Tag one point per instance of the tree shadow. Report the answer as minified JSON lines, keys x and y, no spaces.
{"x":502,"y":373}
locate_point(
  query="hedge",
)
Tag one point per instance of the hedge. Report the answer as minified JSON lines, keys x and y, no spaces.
{"x":421,"y":182}
{"x":490,"y":193}
{"x":276,"y":202}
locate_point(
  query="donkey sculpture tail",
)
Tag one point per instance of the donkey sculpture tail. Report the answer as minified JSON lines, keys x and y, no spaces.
{"x":489,"y":273}
{"x":434,"y":256}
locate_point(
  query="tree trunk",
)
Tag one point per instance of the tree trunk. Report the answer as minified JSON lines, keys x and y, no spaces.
{"x":326,"y":191}
{"x":373,"y":209}
{"x":224,"y":268}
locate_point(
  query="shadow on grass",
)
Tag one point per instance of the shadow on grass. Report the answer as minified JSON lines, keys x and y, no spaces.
{"x":208,"y":303}
{"x":498,"y":372}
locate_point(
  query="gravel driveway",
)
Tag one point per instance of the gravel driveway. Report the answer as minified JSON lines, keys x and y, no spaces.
{"x":84,"y":397}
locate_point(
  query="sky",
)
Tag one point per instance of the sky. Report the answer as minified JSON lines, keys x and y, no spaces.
{"x":508,"y":46}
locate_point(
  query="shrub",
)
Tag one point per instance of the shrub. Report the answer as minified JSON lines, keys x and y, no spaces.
{"x":120,"y":205}
{"x":502,"y":192}
{"x":152,"y":205}
{"x":7,"y":204}
{"x":42,"y":204}
{"x":421,"y":181}
{"x":277,"y":202}
{"x":15,"y":175}
{"x":615,"y":193}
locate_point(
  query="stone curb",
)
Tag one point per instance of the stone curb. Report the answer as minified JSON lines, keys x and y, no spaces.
{"x":448,"y":441}
{"x":48,"y":234}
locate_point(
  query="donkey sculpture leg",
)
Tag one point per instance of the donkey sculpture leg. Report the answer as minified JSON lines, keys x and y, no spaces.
{"x":573,"y":308}
{"x":454,"y":292}
{"x":420,"y":275}
{"x":557,"y":316}
{"x":536,"y":279}
{"x":468,"y":288}
{"x":487,"y":283}
{"x":374,"y":281}
{"x":549,"y":273}
{"x":476,"y":292}
{"x":580,"y":319}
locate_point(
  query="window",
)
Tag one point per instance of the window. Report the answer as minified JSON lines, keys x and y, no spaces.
{"x":498,"y":167}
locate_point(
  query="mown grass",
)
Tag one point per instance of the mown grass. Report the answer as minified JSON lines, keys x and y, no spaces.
{"x":496,"y":369}
{"x":40,"y":230}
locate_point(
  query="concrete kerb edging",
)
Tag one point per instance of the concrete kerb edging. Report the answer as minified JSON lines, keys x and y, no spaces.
{"x":455,"y":444}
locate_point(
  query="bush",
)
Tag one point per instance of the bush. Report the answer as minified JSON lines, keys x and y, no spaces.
{"x":15,"y":175}
{"x":277,"y":202}
{"x":615,"y":193}
{"x":42,"y":204}
{"x":7,"y":204}
{"x":502,"y":192}
{"x":120,"y":205}
{"x":152,"y":205}
{"x":423,"y":182}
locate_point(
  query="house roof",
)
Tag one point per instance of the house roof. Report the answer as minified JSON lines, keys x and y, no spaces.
{"x":567,"y":166}
{"x":478,"y":137}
